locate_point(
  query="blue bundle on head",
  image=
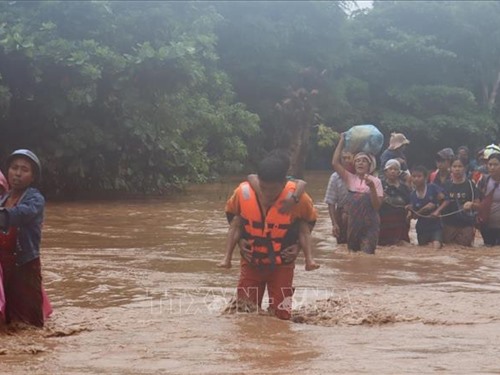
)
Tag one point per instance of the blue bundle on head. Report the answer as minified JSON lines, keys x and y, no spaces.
{"x":364,"y":138}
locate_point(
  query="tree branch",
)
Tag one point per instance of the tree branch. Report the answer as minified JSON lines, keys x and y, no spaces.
{"x":494,"y":92}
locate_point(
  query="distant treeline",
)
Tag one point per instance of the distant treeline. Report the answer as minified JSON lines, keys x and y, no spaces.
{"x":145,"y":96}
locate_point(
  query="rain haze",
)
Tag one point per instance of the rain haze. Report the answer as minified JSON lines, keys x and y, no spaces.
{"x":132,"y":131}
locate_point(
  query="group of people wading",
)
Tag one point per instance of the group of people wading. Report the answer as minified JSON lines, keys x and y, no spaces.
{"x":449,"y":204}
{"x":271,"y":216}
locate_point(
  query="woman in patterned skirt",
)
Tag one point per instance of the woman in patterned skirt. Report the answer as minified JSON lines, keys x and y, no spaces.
{"x":365,"y":199}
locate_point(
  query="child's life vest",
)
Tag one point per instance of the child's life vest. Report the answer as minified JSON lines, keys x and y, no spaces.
{"x":264,"y":231}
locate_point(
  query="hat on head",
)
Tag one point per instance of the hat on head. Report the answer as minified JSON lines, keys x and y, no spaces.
{"x":30,"y":156}
{"x":445,"y":154}
{"x":370,"y":158}
{"x":392,"y":163}
{"x":489,"y":150}
{"x":397,"y":140}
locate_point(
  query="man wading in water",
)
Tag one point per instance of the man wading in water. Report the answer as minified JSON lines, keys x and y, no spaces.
{"x":269,"y":244}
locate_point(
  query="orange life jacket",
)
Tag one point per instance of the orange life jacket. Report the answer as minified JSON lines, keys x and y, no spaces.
{"x":264,"y":231}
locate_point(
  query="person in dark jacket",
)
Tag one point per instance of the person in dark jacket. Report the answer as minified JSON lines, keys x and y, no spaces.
{"x":397,"y":146}
{"x":394,"y":226}
{"x":21,"y":217}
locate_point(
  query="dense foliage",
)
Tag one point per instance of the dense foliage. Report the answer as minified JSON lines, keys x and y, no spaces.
{"x":144,"y":96}
{"x":118,"y":95}
{"x":429,"y":69}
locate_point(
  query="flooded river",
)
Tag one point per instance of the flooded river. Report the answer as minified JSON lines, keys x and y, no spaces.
{"x":136,"y":290}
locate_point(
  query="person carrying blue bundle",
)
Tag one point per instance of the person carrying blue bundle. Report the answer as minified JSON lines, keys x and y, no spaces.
{"x":365,"y":198}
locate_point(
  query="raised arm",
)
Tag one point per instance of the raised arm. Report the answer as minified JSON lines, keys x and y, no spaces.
{"x":253,"y":180}
{"x":288,"y":203}
{"x":300,"y":188}
{"x":336,"y":163}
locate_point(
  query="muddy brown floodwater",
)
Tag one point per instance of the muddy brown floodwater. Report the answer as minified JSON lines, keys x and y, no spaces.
{"x":136,"y":290}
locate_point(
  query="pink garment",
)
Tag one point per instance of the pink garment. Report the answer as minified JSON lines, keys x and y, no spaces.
{"x":46,"y":305}
{"x":2,"y":297}
{"x":358,"y":185}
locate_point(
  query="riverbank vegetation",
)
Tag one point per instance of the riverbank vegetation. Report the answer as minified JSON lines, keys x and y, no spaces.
{"x":145,"y":96}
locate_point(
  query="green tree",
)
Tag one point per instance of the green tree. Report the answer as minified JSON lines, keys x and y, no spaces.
{"x":419,"y":72}
{"x":118,"y":95}
{"x":283,"y":59}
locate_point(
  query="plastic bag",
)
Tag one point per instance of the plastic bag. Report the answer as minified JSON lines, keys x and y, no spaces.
{"x":364,"y":138}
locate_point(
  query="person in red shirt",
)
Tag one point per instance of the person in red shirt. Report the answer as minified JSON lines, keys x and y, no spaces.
{"x":442,"y":175}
